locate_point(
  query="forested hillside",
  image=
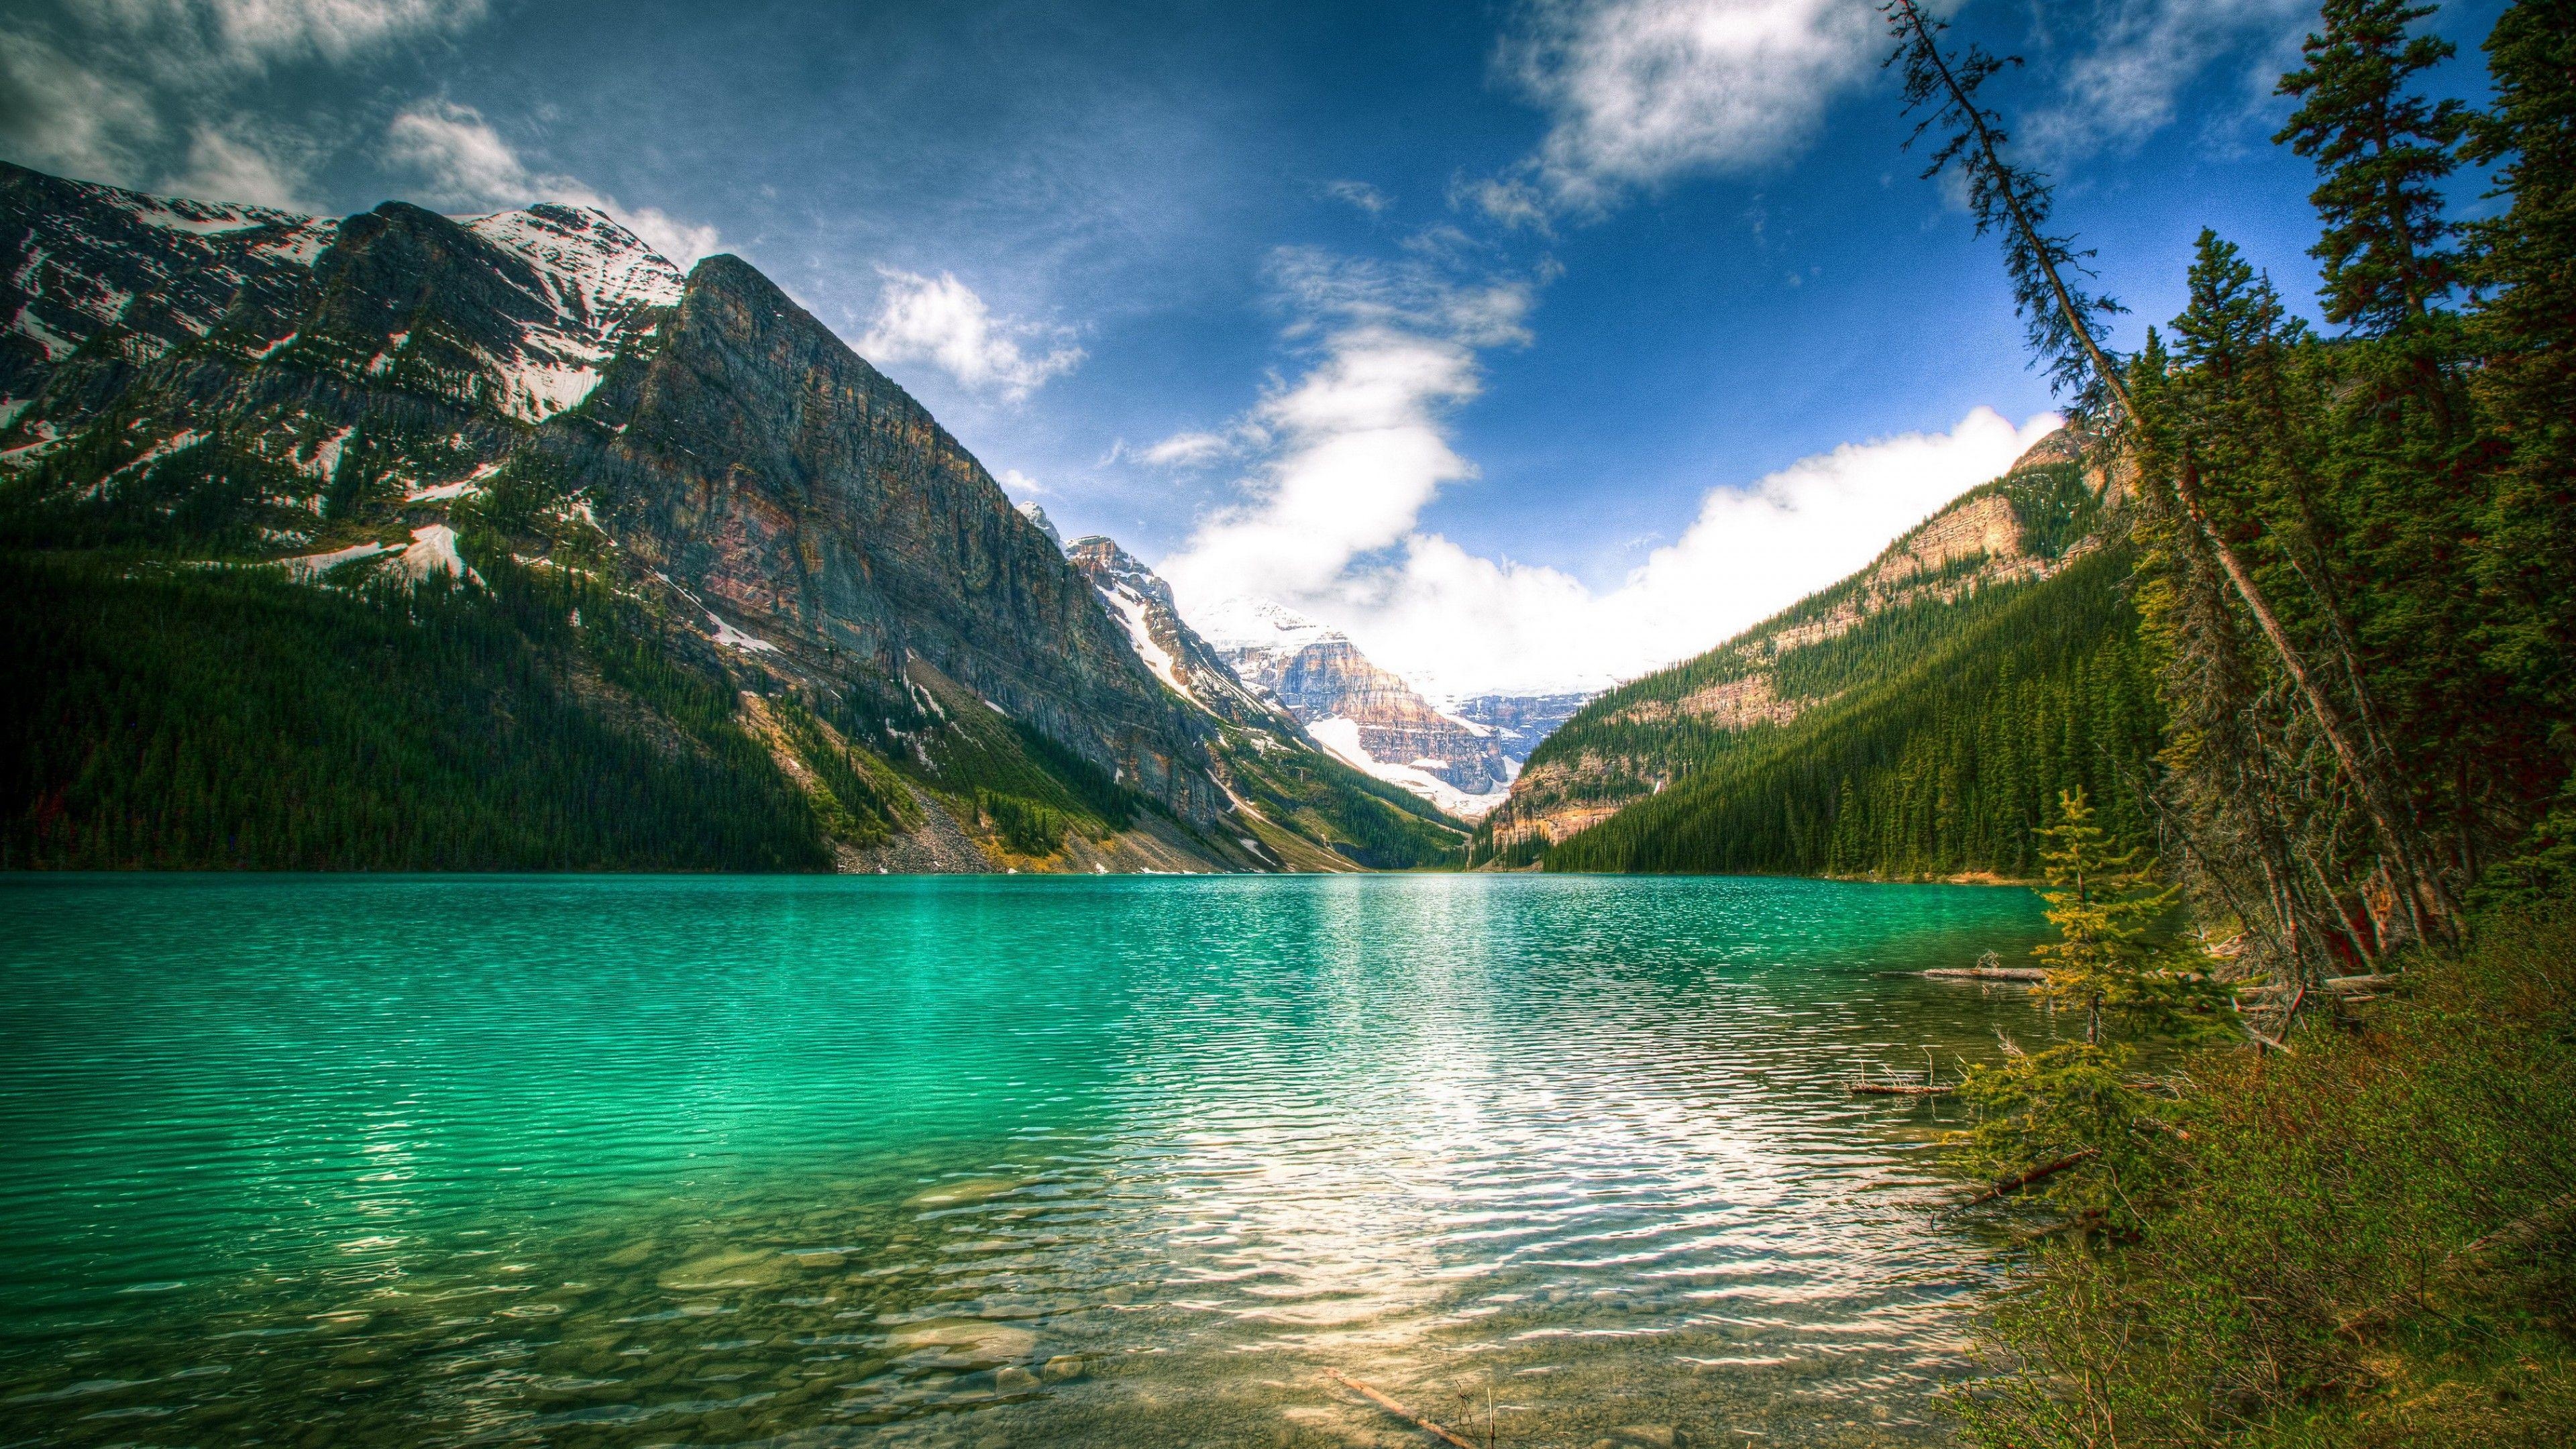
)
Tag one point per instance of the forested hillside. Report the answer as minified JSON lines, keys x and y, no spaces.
{"x":1942,"y":763}
{"x":1914,"y":719}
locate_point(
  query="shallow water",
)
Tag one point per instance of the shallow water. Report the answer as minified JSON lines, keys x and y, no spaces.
{"x":972,"y":1162}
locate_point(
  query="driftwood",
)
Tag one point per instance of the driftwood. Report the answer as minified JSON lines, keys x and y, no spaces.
{"x":2030,"y":974}
{"x":2040,"y":1173}
{"x":1898,"y":1089}
{"x":1398,"y":1410}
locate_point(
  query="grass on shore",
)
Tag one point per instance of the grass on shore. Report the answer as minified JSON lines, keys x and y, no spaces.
{"x":2369,"y":1243}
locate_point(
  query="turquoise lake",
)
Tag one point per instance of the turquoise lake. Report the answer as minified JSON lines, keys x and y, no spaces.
{"x":982,"y":1161}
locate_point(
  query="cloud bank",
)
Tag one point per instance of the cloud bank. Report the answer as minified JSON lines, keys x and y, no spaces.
{"x":159,"y":93}
{"x":1348,"y":455}
{"x":2127,"y":83}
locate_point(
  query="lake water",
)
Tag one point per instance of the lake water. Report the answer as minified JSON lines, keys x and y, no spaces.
{"x":980,"y":1162}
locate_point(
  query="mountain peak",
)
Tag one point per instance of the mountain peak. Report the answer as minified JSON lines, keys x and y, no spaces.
{"x":594,"y":264}
{"x":1038,"y":517}
{"x":1245,"y":623}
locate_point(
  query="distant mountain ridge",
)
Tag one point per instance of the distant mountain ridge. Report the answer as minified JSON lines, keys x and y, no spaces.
{"x":1270,"y":764}
{"x":1912,"y":719}
{"x":1366,"y":715}
{"x":677,"y":513}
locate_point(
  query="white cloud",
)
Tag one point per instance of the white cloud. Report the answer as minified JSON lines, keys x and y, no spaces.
{"x":1188,"y":450}
{"x":1019,"y":484}
{"x":1357,"y":447}
{"x":1641,"y":91}
{"x":1463,"y":623}
{"x":2126,"y":85}
{"x":333,"y":30}
{"x":63,"y":116}
{"x":466,"y":164}
{"x":232,"y":167}
{"x":940,"y":321}
{"x":1508,"y":201}
{"x":1359,"y":194}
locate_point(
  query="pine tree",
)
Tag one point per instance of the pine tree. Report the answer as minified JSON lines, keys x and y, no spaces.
{"x":2382,"y":154}
{"x":2523,"y":332}
{"x":2107,"y":907}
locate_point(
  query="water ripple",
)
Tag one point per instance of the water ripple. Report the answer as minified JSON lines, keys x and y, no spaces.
{"x":947,"y":1162}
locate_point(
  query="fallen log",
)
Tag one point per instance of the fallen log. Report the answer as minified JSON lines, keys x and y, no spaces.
{"x":1398,"y":1410}
{"x":1898,"y":1089}
{"x":2030,"y":974}
{"x":2522,"y":1234}
{"x":2040,"y":1173}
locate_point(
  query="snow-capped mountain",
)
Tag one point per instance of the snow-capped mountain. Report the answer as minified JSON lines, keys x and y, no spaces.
{"x":523,"y":326}
{"x":1170,"y":649}
{"x":1365,"y":715}
{"x":1275,"y":769}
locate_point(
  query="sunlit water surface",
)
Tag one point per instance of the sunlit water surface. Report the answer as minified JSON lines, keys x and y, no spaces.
{"x":979,"y":1162}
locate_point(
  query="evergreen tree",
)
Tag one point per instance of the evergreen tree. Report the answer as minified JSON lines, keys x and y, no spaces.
{"x":2382,"y":154}
{"x":2523,"y":333}
{"x":2107,"y":908}
{"x":2044,"y":268}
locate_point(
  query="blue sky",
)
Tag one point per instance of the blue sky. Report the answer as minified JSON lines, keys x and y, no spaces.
{"x":1535,"y":342}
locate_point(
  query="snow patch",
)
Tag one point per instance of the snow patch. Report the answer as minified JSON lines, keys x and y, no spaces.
{"x":145,"y":459}
{"x":465,"y":487}
{"x":313,"y":565}
{"x":1259,"y":624}
{"x":537,"y":388}
{"x":29,"y":325}
{"x":303,"y":246}
{"x":1341,"y":738}
{"x":433,"y":551}
{"x":383,"y":362}
{"x":200,"y":218}
{"x":733,"y":638}
{"x":324,"y":460}
{"x":1130,"y":610}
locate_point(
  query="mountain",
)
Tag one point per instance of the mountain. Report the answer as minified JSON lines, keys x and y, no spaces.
{"x":400,"y":540}
{"x":1520,"y":722}
{"x":1363,"y":714}
{"x":1916,"y":719}
{"x":1275,"y":770}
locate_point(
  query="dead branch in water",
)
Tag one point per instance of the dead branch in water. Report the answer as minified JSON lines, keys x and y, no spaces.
{"x":2045,"y":1170}
{"x":1398,"y":1410}
{"x":1898,"y":1089}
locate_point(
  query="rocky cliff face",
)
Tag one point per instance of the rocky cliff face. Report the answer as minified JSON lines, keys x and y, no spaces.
{"x":1636,"y":740}
{"x":240,"y":384}
{"x":1362,"y":713}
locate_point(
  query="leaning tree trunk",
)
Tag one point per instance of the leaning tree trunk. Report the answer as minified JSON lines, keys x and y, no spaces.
{"x":2395,"y":839}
